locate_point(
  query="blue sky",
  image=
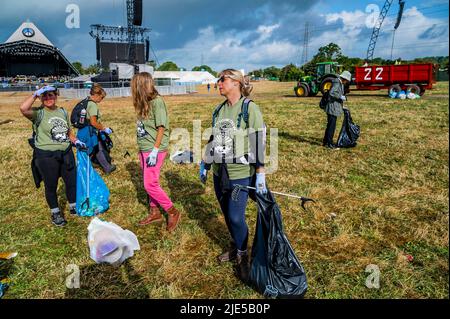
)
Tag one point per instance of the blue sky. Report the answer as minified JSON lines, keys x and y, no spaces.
{"x":244,"y":34}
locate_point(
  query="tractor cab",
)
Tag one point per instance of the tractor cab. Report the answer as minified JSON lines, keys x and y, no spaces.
{"x":326,"y":68}
{"x":321,"y":81}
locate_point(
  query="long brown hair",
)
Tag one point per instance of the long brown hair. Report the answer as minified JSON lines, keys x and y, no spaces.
{"x":143,"y":91}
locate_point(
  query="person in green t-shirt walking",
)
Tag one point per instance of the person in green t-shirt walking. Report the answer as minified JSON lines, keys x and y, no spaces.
{"x":236,"y":152}
{"x":153,"y":142}
{"x":53,"y":156}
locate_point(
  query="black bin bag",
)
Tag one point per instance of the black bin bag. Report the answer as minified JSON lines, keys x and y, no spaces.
{"x":349,"y":132}
{"x":275,"y":270}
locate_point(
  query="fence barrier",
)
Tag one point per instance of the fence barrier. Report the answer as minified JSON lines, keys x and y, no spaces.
{"x":113,"y":89}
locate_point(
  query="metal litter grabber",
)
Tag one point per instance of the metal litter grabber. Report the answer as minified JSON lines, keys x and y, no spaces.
{"x":86,"y":203}
{"x":238,"y":188}
{"x":121,"y":145}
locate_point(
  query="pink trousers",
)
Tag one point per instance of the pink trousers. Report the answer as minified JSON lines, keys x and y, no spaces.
{"x":151,"y":181}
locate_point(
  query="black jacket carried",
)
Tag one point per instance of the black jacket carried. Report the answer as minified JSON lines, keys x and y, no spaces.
{"x":62,"y":156}
{"x":275,"y":270}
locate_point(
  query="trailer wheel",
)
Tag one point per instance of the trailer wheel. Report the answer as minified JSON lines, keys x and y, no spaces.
{"x":394,"y":88}
{"x":413,"y":89}
{"x":422,"y":90}
{"x":326,"y":85}
{"x":302,"y":90}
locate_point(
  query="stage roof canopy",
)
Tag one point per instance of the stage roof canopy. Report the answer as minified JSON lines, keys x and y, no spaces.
{"x":29,"y":52}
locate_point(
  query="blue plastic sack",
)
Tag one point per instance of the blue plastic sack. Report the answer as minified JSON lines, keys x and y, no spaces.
{"x":88,"y":135}
{"x":401,"y":95}
{"x":3,"y":287}
{"x":92,"y":192}
{"x":392,"y":94}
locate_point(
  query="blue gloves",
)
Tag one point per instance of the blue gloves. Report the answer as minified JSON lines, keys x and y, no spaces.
{"x":44,"y":89}
{"x":261,"y":183}
{"x":152,"y":158}
{"x":80,"y":145}
{"x":343,"y":98}
{"x":203,"y":172}
{"x":108,"y":131}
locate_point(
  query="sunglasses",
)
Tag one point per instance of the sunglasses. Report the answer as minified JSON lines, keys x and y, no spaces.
{"x":222,"y":78}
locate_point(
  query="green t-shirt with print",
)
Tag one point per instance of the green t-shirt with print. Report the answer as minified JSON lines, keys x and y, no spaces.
{"x":147,"y":128}
{"x":52,"y":134}
{"x":233,"y":141}
{"x":93,"y":110}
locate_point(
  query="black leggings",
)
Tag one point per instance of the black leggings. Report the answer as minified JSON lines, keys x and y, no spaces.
{"x":51,"y":169}
{"x":331,"y":128}
{"x":234,"y":210}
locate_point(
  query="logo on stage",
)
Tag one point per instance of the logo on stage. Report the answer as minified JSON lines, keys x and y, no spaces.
{"x":28,"y":32}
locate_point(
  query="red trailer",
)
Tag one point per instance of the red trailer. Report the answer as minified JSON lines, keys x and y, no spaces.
{"x":414,"y":77}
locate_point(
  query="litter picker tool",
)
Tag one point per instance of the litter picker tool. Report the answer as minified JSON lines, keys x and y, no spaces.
{"x":238,"y":188}
{"x":86,"y":203}
{"x":121,"y":145}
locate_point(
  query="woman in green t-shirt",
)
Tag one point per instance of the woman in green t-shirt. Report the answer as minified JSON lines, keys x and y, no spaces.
{"x":53,"y":156}
{"x":236,"y":151}
{"x":153,"y":142}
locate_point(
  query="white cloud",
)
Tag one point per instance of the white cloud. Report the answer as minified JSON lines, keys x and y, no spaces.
{"x":269,"y":34}
{"x":265,"y":32}
{"x":227,"y":49}
{"x":353,"y":36}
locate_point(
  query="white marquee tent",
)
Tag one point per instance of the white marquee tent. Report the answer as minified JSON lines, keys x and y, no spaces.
{"x":183,"y":77}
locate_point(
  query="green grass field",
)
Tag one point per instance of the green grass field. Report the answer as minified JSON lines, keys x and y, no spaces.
{"x":376,"y":204}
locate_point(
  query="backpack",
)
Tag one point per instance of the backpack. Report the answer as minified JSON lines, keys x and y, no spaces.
{"x":76,"y":113}
{"x":40,"y":116}
{"x":324,"y":100}
{"x":243,"y":115}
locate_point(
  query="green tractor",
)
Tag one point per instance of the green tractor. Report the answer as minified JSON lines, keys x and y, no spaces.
{"x":322,"y":81}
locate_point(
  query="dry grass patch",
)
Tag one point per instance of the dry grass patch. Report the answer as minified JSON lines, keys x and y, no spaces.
{"x":377,"y":203}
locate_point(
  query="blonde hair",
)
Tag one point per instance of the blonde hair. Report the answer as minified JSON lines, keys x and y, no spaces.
{"x":143,"y":91}
{"x":97,"y":89}
{"x":244,"y":81}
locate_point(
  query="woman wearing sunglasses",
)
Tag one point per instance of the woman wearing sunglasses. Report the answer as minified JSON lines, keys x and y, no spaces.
{"x":53,"y":156}
{"x":236,"y":150}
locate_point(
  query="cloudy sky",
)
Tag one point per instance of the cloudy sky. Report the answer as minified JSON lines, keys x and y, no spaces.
{"x":244,"y":34}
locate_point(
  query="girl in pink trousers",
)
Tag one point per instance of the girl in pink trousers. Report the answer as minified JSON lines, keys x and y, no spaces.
{"x":153,"y":142}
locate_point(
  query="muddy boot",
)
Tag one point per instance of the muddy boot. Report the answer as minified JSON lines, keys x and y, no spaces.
{"x":229,"y":255}
{"x":174,"y":219}
{"x":242,"y":266}
{"x":154,"y":216}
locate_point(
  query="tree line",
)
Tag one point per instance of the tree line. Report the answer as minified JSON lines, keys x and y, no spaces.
{"x":329,"y":53}
{"x":333,"y":53}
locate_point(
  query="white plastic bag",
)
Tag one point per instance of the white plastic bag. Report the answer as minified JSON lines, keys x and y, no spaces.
{"x":411,"y":96}
{"x":109,"y":243}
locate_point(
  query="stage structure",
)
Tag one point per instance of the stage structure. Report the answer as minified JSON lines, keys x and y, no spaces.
{"x":129,"y":44}
{"x":28,"y":52}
